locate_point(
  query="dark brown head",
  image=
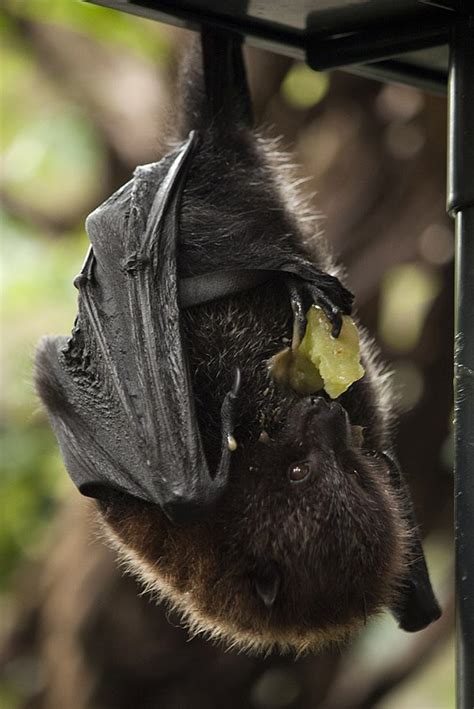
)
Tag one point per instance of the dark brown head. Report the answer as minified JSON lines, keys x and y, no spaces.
{"x":307,"y":542}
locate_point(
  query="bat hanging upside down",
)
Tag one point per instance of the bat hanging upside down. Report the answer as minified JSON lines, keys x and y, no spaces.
{"x":270,"y":519}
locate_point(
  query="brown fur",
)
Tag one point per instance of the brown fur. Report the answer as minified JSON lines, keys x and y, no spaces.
{"x":338,"y":540}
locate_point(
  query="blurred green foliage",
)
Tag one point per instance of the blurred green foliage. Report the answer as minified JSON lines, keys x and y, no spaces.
{"x":303,"y":88}
{"x":108,"y":27}
{"x":53,"y":165}
{"x":408,"y":292}
{"x":37,"y":297}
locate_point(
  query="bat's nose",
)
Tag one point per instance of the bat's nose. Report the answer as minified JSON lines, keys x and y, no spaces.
{"x":320,"y":416}
{"x":322,"y":407}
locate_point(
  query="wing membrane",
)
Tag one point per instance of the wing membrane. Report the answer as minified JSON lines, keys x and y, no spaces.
{"x":119,"y":392}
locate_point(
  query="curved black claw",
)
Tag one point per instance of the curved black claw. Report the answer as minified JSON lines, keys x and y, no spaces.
{"x":228,"y":412}
{"x":236,"y":385}
{"x":333,"y":312}
{"x":323,"y":290}
{"x":299,"y":313}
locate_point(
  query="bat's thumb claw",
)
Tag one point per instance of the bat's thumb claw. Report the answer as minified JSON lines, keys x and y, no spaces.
{"x":237,"y":380}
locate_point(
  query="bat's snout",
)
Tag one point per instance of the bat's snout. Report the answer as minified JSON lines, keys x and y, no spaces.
{"x":314,"y":417}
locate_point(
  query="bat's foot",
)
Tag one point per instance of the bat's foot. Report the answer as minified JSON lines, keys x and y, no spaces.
{"x":329,"y":294}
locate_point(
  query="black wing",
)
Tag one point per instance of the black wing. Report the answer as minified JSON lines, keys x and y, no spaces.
{"x":119,"y":391}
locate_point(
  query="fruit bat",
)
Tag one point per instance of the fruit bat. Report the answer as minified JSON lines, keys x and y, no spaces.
{"x":268,"y":518}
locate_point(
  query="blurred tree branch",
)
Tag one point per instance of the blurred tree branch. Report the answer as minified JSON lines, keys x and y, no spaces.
{"x":47,"y":223}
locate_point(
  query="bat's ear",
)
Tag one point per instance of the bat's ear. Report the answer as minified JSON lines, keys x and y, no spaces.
{"x":416,"y":606}
{"x":267,"y":581}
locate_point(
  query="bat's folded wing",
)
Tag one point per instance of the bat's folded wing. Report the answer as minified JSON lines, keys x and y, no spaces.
{"x":98,"y":445}
{"x":119,"y":391}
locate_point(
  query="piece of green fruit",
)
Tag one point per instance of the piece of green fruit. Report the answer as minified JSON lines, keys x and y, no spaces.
{"x":336,"y":358}
{"x":321,"y":360}
{"x":292,"y":369}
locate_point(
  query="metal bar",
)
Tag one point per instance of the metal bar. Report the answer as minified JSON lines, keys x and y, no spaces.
{"x":352,"y":28}
{"x":464,"y":454}
{"x":374,"y":43}
{"x":284,"y":39}
{"x":461,"y":205}
{"x":423,"y":77}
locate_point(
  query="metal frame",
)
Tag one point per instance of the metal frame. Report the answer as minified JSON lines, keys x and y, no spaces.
{"x":356,"y":36}
{"x":461,"y":206}
{"x":350,"y":40}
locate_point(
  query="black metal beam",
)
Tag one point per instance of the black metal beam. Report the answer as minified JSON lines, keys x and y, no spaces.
{"x":461,"y":205}
{"x":400,"y":72}
{"x":347,"y":34}
{"x":376,"y":42}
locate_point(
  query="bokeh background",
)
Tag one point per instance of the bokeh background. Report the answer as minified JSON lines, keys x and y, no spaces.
{"x":87,"y":94}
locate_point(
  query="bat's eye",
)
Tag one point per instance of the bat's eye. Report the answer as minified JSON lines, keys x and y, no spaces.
{"x":299,"y":472}
{"x":371,"y":454}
